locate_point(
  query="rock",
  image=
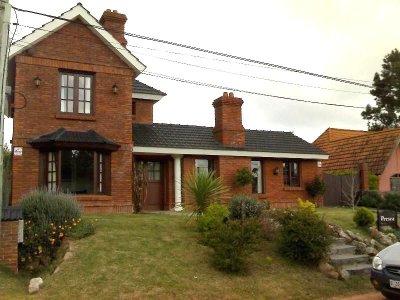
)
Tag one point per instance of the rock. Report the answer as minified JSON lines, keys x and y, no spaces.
{"x":371,"y":251}
{"x":34,"y":285}
{"x":360,"y":246}
{"x":392,"y":237}
{"x":325,"y":267}
{"x":56,"y":270}
{"x":333,"y":274}
{"x":386,"y":229}
{"x":375,"y":233}
{"x":68,"y":255}
{"x":385,"y":240}
{"x":342,"y":234}
{"x":352,"y":235}
{"x":344,"y":275}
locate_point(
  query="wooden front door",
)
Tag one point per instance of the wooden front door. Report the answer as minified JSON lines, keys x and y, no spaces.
{"x":154,"y":197}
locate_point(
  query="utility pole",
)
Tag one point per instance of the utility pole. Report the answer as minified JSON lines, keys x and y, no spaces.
{"x":5,"y":10}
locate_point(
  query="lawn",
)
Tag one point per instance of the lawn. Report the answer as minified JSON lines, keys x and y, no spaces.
{"x":157,"y":256}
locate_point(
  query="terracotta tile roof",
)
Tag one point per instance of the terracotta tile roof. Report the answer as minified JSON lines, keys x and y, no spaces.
{"x":372,"y":148}
{"x":334,"y":134}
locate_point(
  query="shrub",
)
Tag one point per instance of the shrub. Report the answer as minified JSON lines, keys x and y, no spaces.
{"x":305,"y":205}
{"x":391,"y":201}
{"x":316,"y":187}
{"x":246,"y":207}
{"x":363,"y":217}
{"x":48,"y":216}
{"x":243,"y":177}
{"x":370,"y":199}
{"x":83,"y":229}
{"x":213,"y":217}
{"x":232,"y":243}
{"x":373,"y":182}
{"x":305,"y":237}
{"x":205,"y":188}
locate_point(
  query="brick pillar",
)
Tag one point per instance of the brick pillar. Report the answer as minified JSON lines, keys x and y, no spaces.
{"x":9,"y":244}
{"x":114,"y":23}
{"x":364,"y":186}
{"x":228,"y":128}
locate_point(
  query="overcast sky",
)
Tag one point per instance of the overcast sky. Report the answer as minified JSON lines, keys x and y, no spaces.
{"x":346,"y":39}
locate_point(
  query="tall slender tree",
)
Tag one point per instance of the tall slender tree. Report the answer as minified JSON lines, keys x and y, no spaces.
{"x":386,"y":89}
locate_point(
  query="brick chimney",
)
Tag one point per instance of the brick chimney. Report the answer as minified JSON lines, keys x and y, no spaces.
{"x":228,"y":128}
{"x":114,"y":23}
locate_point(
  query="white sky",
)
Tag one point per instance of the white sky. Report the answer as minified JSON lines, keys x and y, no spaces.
{"x":339,"y":38}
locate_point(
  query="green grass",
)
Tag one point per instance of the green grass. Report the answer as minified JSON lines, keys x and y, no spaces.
{"x":157,"y":256}
{"x":343,"y":217}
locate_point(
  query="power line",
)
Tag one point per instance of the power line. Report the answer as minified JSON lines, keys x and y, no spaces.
{"x":251,"y":76}
{"x":244,"y":91}
{"x":290,"y":69}
{"x":197,"y":66}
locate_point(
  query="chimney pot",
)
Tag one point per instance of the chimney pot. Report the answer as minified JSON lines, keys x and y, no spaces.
{"x":225,"y":95}
{"x":114,"y":23}
{"x":231,"y":95}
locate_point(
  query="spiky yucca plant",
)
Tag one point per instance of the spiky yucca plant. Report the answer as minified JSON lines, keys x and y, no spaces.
{"x":205,"y":188}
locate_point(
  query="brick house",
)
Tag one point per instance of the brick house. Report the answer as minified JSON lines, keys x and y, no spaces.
{"x":81,"y":120}
{"x":378,"y":150}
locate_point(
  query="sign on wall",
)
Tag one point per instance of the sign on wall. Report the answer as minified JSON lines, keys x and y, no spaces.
{"x":17,"y":151}
{"x":386,"y":218}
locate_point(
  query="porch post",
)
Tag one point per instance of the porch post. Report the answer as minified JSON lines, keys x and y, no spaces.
{"x":178,"y":182}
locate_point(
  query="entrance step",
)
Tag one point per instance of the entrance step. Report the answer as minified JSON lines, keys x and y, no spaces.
{"x":358,"y":269}
{"x":342,"y":249}
{"x":339,"y":241}
{"x":348,"y":259}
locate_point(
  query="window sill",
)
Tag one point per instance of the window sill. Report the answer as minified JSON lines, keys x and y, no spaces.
{"x":69,"y":116}
{"x":293,"y":188}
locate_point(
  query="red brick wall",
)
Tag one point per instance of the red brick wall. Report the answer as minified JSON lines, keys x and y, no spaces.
{"x":76,"y":48}
{"x":144,"y":111}
{"x":9,"y":244}
{"x":273,"y":187}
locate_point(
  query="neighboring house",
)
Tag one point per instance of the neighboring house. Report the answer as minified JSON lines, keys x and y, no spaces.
{"x":81,"y":120}
{"x":378,"y":150}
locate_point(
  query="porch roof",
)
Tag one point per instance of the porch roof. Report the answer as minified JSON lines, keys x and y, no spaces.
{"x":199,"y":137}
{"x":82,"y":139}
{"x":11,"y":213}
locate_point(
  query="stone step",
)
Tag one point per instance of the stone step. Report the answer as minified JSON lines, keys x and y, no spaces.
{"x":348,"y":259}
{"x":342,"y":249}
{"x":339,"y":241}
{"x":358,"y":269}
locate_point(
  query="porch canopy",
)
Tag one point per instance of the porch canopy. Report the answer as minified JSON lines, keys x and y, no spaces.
{"x":62,"y":138}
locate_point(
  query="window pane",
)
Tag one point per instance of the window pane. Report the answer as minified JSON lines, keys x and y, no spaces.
{"x":88,"y":82}
{"x":87,"y":95}
{"x":257,"y":176}
{"x":63,"y":105}
{"x":70,"y":80}
{"x":70,"y":106}
{"x":63,"y":80}
{"x":70,"y":93}
{"x":81,"y":94}
{"x":63,"y":93}
{"x":81,"y":107}
{"x":81,"y":82}
{"x":201,"y":165}
{"x":87,"y":107}
{"x":77,"y":171}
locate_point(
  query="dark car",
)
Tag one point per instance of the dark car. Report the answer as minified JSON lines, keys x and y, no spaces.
{"x":385,"y":272}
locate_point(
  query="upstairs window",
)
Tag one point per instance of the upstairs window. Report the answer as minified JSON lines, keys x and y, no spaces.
{"x":291,"y":173}
{"x":76,"y":93}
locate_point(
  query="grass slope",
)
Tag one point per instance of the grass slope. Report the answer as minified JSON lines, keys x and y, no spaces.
{"x":157,"y":256}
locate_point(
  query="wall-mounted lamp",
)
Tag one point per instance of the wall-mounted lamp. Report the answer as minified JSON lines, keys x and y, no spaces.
{"x":276,"y":171}
{"x":37,"y":81}
{"x":115,"y":89}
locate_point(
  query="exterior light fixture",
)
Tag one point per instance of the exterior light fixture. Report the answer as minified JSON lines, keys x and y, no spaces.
{"x":115,"y":89}
{"x":276,"y":171}
{"x":37,"y":81}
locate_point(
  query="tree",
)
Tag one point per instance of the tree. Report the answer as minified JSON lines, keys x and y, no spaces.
{"x":386,"y":89}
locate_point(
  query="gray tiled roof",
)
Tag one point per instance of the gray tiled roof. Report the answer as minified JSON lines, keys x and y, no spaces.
{"x":141,"y":88}
{"x":11,"y":213}
{"x":199,"y":137}
{"x":64,"y":136}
